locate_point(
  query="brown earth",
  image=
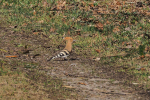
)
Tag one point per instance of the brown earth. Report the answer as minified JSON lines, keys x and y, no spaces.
{"x":92,"y":80}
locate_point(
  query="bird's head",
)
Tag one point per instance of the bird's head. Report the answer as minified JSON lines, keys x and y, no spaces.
{"x":68,"y":39}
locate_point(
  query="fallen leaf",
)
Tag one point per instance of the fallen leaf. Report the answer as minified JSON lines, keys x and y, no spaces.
{"x":123,"y":43}
{"x":118,"y":3}
{"x":147,"y":49}
{"x":147,"y":55}
{"x":68,"y":87}
{"x":86,"y":35}
{"x":135,"y":83}
{"x":97,"y":50}
{"x":128,"y":43}
{"x":78,"y":33}
{"x":91,"y":4}
{"x":123,"y":23}
{"x":90,"y":19}
{"x":34,"y":12}
{"x":141,"y":57}
{"x":94,"y":35}
{"x":52,"y":30}
{"x":13,"y":56}
{"x":99,"y":26}
{"x":85,"y":19}
{"x":107,"y":22}
{"x":116,"y":29}
{"x":81,"y":83}
{"x":142,"y":69}
{"x":41,"y":21}
{"x":138,"y":41}
{"x":128,"y":46}
{"x":127,"y":29}
{"x":44,"y":4}
{"x":83,"y":3}
{"x":24,"y":24}
{"x":147,"y":13}
{"x":140,"y":27}
{"x":36,"y":33}
{"x":13,"y":26}
{"x":60,"y":5}
{"x":96,"y":59}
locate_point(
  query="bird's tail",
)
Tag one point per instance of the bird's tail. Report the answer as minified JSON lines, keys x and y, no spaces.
{"x":50,"y":59}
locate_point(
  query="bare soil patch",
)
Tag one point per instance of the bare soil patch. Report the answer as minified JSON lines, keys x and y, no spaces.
{"x":83,"y":77}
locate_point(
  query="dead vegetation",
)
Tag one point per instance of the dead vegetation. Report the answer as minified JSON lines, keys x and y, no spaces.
{"x":110,"y":58}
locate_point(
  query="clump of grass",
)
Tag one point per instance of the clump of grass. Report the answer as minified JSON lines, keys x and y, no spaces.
{"x":121,"y":37}
{"x":34,"y":84}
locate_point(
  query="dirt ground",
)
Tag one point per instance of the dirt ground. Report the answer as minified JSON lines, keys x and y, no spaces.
{"x":90,"y":79}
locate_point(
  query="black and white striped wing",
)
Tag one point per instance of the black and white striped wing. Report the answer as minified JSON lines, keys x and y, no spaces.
{"x":62,"y":54}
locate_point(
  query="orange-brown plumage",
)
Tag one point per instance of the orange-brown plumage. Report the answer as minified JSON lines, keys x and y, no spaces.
{"x":68,"y":46}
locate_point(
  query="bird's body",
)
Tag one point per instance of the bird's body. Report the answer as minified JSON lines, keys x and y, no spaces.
{"x":66,"y":51}
{"x":62,"y":54}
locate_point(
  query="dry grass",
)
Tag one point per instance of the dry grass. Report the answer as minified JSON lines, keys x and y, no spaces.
{"x":119,"y":34}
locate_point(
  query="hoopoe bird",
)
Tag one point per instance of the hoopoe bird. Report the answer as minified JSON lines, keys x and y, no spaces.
{"x":66,"y":51}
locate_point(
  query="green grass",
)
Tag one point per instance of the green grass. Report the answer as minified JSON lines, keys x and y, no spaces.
{"x":17,"y":84}
{"x":67,"y":21}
